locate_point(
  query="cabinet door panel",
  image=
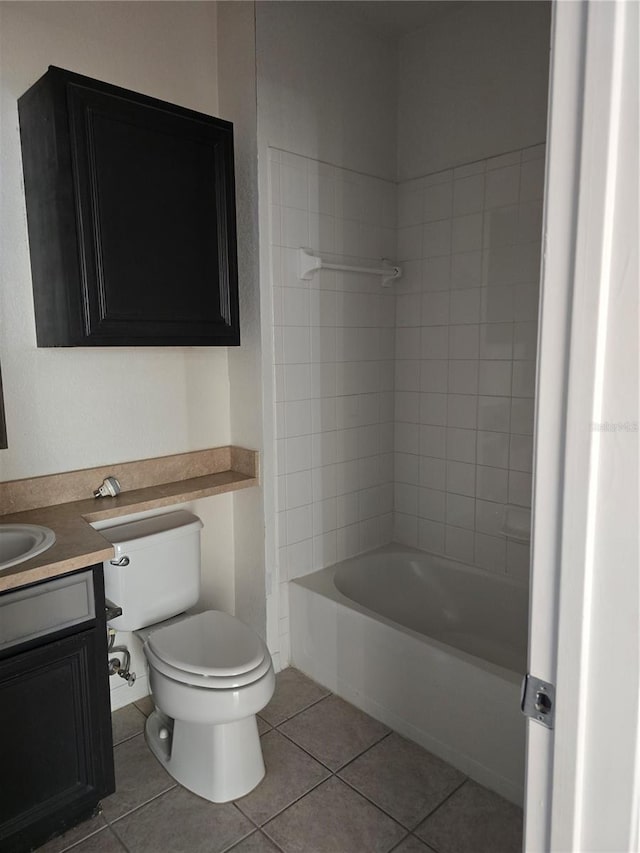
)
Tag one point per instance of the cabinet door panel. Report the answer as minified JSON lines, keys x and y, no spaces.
{"x":131,"y":214}
{"x":151,"y":198}
{"x":50,"y":753}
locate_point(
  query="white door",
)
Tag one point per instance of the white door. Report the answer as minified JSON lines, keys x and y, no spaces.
{"x":583,"y":777}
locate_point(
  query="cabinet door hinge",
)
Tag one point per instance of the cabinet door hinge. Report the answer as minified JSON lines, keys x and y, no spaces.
{"x":538,"y":700}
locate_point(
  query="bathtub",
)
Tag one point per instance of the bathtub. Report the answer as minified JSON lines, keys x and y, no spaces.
{"x":433,"y":648}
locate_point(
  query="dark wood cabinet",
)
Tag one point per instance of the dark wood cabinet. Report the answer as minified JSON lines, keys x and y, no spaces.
{"x":131,"y":217}
{"x":56,"y":754}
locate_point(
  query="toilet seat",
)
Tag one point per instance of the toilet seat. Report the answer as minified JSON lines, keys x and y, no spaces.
{"x":211,"y":650}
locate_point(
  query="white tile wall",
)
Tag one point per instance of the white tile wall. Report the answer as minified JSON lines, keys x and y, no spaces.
{"x":466,"y":340}
{"x":334,"y":350}
{"x":406,"y":413}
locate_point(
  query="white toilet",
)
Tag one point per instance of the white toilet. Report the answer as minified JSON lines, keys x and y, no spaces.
{"x":209,"y":673}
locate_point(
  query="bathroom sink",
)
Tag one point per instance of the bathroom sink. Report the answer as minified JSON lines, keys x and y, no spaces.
{"x":19,"y":542}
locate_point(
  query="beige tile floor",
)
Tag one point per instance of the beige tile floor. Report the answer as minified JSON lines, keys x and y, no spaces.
{"x":337,"y":781}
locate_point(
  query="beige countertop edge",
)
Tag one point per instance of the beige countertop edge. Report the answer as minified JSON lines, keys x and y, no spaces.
{"x":77,"y":543}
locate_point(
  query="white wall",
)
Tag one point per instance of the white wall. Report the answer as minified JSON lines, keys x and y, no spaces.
{"x":326,"y":86}
{"x":237,"y":103}
{"x":73,"y":408}
{"x":473,"y":85}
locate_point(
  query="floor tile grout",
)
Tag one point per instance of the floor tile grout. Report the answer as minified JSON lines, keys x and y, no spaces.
{"x":402,"y":840}
{"x":260,"y":829}
{"x":448,"y":797}
{"x":288,"y":806}
{"x":84,"y":838}
{"x":105,"y":828}
{"x":140,"y":805}
{"x":239,"y":840}
{"x":120,"y":841}
{"x":257,"y":831}
{"x":320,"y":761}
{"x":127,"y":739}
{"x":299,"y":711}
{"x":377,"y":805}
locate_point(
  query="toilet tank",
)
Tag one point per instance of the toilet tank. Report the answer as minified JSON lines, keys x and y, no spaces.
{"x":159,"y":572}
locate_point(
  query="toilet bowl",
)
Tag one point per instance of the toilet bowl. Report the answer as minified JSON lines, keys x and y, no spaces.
{"x":209,"y":673}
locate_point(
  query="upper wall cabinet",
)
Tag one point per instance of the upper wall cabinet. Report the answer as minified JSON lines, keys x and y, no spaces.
{"x":131,"y":216}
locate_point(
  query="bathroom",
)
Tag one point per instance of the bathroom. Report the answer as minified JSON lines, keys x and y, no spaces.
{"x":405,"y":383}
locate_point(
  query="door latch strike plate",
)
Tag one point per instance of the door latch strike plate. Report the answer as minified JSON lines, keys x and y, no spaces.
{"x":538,"y":700}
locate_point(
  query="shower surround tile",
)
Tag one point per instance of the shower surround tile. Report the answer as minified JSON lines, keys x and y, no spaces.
{"x":428,"y":383}
{"x":476,"y":362}
{"x":334,"y":350}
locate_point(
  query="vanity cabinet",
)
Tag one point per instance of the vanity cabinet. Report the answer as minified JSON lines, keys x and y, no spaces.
{"x":131,"y":217}
{"x":56,"y":754}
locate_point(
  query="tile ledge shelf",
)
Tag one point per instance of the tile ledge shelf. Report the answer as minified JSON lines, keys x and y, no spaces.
{"x":208,"y":472}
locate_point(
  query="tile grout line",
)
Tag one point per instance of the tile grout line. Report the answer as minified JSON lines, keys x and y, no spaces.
{"x":334,"y":774}
{"x":106,"y":828}
{"x":140,"y":805}
{"x":261,"y":828}
{"x":120,"y":841}
{"x":242,"y":838}
{"x":127,"y":739}
{"x":284,"y":808}
{"x":320,"y":761}
{"x":376,"y":805}
{"x":80,"y":840}
{"x":433,"y":811}
{"x":295,"y":714}
{"x":257,"y":831}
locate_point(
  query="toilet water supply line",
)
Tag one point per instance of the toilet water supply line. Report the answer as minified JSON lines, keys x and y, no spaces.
{"x":116,"y":666}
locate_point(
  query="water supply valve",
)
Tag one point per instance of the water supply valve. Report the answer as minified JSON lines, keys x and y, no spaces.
{"x":116,"y":667}
{"x":129,"y":677}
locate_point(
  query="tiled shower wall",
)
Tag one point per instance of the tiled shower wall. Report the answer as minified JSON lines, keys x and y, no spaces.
{"x":440,"y":368}
{"x":334,"y":367}
{"x":466,"y":330}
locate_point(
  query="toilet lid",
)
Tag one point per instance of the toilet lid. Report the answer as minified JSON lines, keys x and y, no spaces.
{"x":211,"y":643}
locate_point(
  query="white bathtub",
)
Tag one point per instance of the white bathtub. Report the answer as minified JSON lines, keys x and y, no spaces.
{"x":433,"y":648}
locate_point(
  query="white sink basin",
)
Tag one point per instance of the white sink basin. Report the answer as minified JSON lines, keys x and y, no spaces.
{"x":20,"y":542}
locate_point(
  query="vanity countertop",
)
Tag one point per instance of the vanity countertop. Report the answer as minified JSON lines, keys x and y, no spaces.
{"x":78,"y":545}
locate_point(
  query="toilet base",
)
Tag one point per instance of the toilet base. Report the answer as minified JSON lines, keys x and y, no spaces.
{"x":219,"y":762}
